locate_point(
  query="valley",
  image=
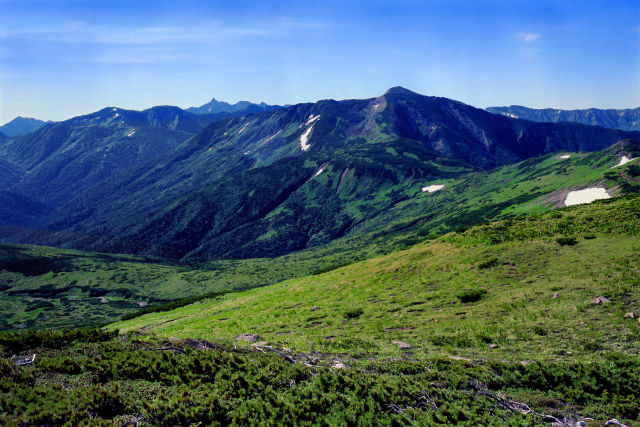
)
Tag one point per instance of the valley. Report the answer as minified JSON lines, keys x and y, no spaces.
{"x":412,"y":258}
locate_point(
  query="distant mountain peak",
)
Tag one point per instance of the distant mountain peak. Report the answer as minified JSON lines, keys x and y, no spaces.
{"x":215,"y":106}
{"x":399,"y":90}
{"x":21,"y":126}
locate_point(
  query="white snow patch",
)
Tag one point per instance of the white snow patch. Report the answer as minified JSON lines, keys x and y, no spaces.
{"x":273,"y":136}
{"x":432,"y":188}
{"x":117,"y":115}
{"x":115,"y":109}
{"x":312,"y":119}
{"x":304,"y":138}
{"x":243,"y":128}
{"x":587,"y":195}
{"x":322,"y":168}
{"x":375,"y":107}
{"x":131,"y":132}
{"x":564,"y":156}
{"x":246,"y":152}
{"x":623,"y":161}
{"x":513,"y":116}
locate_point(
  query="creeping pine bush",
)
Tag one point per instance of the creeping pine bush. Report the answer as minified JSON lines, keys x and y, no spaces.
{"x":492,"y":262}
{"x":95,"y":382}
{"x":470,"y":295}
{"x":353,"y":314}
{"x":566,"y":241}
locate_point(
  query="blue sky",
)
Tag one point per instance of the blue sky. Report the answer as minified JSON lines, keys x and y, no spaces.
{"x":63,"y":58}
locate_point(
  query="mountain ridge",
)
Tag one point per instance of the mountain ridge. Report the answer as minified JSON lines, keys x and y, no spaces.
{"x":624,"y":119}
{"x":265,"y":179}
{"x":245,"y":107}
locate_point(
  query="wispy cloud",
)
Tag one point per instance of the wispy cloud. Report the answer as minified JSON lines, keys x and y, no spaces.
{"x":528,"y":37}
{"x":209,"y":32}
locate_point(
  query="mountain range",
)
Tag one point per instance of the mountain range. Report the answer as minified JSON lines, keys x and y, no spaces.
{"x":398,"y":259}
{"x":172,"y":183}
{"x":628,"y":119}
{"x":241,"y":107}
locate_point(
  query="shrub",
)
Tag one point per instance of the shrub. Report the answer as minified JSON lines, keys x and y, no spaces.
{"x":566,"y":241}
{"x":540,"y":330}
{"x":470,"y":295}
{"x":488,"y":263}
{"x":353,"y":314}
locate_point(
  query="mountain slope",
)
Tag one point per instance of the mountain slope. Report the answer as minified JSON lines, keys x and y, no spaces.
{"x":241,"y":107}
{"x":64,"y":158}
{"x":201,"y":226}
{"x":21,"y":126}
{"x":284,"y":180}
{"x":496,"y":325}
{"x":247,"y":186}
{"x":453,"y":296}
{"x":9,"y":174}
{"x":628,"y":119}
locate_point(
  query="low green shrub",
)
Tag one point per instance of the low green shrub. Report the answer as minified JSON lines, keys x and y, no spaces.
{"x":470,"y":295}
{"x":354,"y":313}
{"x":567,"y":241}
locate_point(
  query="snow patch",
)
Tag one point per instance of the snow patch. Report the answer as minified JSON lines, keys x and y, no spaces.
{"x":117,"y":115}
{"x":587,"y":195}
{"x":432,"y":188}
{"x":131,"y":132}
{"x":319,"y":171}
{"x":273,"y":136}
{"x":304,"y":138}
{"x":312,"y":119}
{"x":564,"y":156}
{"x":243,"y":128}
{"x":513,"y":116}
{"x":623,"y":161}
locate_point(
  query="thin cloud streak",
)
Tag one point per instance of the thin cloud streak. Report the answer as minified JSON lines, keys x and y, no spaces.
{"x":528,"y":37}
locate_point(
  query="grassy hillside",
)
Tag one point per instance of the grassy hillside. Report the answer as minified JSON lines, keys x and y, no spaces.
{"x":49,"y":288}
{"x":459,"y":295}
{"x":72,"y":289}
{"x":494,"y":325}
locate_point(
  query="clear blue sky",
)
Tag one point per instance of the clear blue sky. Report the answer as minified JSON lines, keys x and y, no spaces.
{"x":63,"y":58}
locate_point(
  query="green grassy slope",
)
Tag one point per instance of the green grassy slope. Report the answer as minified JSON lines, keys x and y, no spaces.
{"x":454,"y":296}
{"x":534,"y":185}
{"x":49,"y":288}
{"x":392,"y":218}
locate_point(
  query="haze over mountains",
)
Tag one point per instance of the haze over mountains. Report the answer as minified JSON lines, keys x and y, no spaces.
{"x":226,"y":183}
{"x":628,"y":119}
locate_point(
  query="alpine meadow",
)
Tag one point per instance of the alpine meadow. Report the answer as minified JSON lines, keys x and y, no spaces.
{"x":427,"y":213}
